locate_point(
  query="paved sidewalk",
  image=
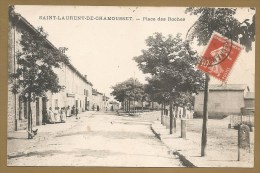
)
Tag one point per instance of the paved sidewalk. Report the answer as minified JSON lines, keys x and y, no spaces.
{"x":189,"y":149}
{"x":17,"y":141}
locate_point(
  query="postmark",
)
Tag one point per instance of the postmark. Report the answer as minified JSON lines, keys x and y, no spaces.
{"x":219,"y":56}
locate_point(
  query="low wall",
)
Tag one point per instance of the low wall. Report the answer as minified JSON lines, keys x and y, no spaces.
{"x":214,"y":115}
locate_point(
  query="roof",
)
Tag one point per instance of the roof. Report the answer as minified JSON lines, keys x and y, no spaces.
{"x":30,"y":26}
{"x":95,"y":92}
{"x":249,"y":95}
{"x":228,"y":87}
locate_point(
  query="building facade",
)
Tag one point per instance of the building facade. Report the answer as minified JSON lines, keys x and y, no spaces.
{"x":77,"y":89}
{"x":100,"y":102}
{"x":222,"y":100}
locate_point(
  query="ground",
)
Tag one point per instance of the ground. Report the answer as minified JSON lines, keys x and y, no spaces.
{"x":222,"y":143}
{"x":108,"y":139}
{"x":96,"y":139}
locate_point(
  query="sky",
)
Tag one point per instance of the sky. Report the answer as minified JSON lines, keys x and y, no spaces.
{"x":104,"y":50}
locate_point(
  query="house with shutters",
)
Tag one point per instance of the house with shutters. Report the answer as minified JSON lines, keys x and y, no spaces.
{"x":77,"y":89}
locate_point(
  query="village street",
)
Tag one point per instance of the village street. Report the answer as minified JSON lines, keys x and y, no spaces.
{"x":96,"y":139}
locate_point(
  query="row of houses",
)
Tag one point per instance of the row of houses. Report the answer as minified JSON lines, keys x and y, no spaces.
{"x":78,"y":91}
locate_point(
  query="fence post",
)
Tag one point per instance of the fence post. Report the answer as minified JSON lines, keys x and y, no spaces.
{"x":243,"y":142}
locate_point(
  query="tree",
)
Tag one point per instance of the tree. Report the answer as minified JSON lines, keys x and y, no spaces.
{"x":130,"y":90}
{"x":34,"y":76}
{"x":172,"y":67}
{"x":223,"y":21}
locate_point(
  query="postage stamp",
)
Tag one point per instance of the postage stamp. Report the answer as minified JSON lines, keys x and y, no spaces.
{"x":219,"y":56}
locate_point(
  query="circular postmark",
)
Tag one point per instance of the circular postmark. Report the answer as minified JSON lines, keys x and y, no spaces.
{"x":219,"y":50}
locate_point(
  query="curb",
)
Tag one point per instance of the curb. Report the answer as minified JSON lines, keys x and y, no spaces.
{"x":182,"y":158}
{"x":158,"y":135}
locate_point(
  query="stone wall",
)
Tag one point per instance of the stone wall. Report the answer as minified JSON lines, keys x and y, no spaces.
{"x":220,"y":102}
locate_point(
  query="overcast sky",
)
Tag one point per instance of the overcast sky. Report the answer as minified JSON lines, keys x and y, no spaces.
{"x":103,"y":50}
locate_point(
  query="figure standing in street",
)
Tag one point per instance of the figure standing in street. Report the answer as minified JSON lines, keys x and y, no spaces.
{"x":77,"y":111}
{"x":51,"y":119}
{"x":73,"y":110}
{"x":57,"y":115}
{"x":63,"y":115}
{"x":68,"y":111}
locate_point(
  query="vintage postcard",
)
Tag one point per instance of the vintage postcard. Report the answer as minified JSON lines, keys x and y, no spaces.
{"x":127,"y":86}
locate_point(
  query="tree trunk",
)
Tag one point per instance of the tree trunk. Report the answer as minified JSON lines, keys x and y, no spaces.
{"x":164,"y":109}
{"x":134,"y":106}
{"x":125,"y":106}
{"x":142,"y":106}
{"x":30,"y":118}
{"x":129,"y":106}
{"x":176,"y":112}
{"x":162,"y":113}
{"x":205,"y":118}
{"x":171,"y":116}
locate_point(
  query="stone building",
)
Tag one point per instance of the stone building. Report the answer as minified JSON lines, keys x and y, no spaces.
{"x":249,"y":107}
{"x":77,"y":89}
{"x":222,"y":100}
{"x":113,"y":106}
{"x":99,"y":101}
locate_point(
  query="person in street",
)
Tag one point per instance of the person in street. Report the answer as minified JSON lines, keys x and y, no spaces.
{"x":77,"y":112}
{"x":51,"y":118}
{"x":73,"y":110}
{"x":57,"y":115}
{"x":68,"y":111}
{"x":63,"y":115}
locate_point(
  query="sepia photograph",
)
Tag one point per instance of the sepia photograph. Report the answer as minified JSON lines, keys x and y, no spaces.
{"x":131,"y":86}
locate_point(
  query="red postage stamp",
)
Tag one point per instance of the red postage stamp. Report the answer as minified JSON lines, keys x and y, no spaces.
{"x":219,"y":57}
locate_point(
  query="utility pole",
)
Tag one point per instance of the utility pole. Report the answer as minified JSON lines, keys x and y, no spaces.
{"x":205,"y":117}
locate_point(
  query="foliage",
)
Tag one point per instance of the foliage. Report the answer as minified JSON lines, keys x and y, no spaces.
{"x":36,"y":60}
{"x":223,"y":21}
{"x":172,"y":66}
{"x":130,"y":89}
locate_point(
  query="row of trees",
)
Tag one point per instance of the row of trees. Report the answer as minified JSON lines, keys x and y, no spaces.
{"x":173,"y":74}
{"x":129,"y":90}
{"x":171,"y":62}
